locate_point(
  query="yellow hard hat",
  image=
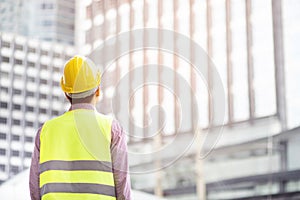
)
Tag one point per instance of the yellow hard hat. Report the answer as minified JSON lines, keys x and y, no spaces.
{"x":80,"y":75}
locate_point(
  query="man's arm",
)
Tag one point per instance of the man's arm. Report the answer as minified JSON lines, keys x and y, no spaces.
{"x":34,"y":178}
{"x":120,"y":162}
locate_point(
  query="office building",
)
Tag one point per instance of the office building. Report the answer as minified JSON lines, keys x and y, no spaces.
{"x":30,"y":94}
{"x":254,"y":46}
{"x":50,"y":20}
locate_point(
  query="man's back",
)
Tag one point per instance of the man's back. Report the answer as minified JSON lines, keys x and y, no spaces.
{"x":75,"y":159}
{"x":81,"y":154}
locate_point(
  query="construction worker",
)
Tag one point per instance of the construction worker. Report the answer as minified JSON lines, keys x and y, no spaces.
{"x":82,"y":154}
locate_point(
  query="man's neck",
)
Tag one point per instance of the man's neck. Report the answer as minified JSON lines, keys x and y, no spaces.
{"x":88,"y":106}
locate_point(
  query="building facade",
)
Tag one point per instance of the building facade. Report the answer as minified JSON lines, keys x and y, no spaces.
{"x":253,"y":45}
{"x":49,"y":20}
{"x":30,"y":94}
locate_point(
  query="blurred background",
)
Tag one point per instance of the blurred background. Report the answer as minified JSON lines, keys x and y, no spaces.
{"x":254,"y":44}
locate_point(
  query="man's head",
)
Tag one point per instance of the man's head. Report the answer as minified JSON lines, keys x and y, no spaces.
{"x":81,"y":80}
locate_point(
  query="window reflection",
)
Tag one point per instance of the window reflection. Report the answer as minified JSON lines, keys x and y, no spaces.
{"x":239,"y":61}
{"x":291,"y":16}
{"x":219,"y":44}
{"x":263,"y":58}
{"x":177,"y":15}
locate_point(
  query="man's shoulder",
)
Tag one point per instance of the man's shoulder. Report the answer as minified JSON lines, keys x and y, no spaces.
{"x":56,"y":119}
{"x":104,"y":117}
{"x":63,"y":118}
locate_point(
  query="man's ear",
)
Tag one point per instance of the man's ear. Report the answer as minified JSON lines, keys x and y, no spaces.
{"x":97,"y":92}
{"x":67,"y":97}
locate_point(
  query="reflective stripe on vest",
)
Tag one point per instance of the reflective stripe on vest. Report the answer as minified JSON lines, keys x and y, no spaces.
{"x":75,"y":159}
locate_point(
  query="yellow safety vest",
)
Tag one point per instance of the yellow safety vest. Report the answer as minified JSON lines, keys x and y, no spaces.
{"x":75,"y":158}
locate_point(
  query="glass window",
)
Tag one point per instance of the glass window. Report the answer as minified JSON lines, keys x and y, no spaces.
{"x":47,"y":23}
{"x":31,"y":50}
{"x":3,"y":120}
{"x":16,"y":122}
{"x":200,"y":23}
{"x":98,"y":31}
{"x":110,"y":27}
{"x":44,"y":53}
{"x":2,"y":168}
{"x":56,"y":55}
{"x":15,"y":153}
{"x":28,"y":139}
{"x":19,"y":47}
{"x":17,"y":92}
{"x":291,"y":33}
{"x":89,"y":11}
{"x":18,"y":62}
{"x":28,"y":154}
{"x":4,"y":89}
{"x":98,"y":5}
{"x":263,"y":58}
{"x":18,"y":77}
{"x":152,"y":14}
{"x":183,"y":21}
{"x":29,"y":123}
{"x":56,"y":69}
{"x":167,"y":20}
{"x":5,"y":44}
{"x":15,"y":137}
{"x":29,"y":108}
{"x":55,"y":83}
{"x":3,"y":152}
{"x":55,"y":113}
{"x":55,"y":97}
{"x":29,"y":94}
{"x":30,"y":64}
{"x":44,"y":67}
{"x":14,"y":169}
{"x":2,"y":136}
{"x":47,"y":6}
{"x":4,"y":75}
{"x":3,"y":104}
{"x":16,"y":107}
{"x":239,"y":61}
{"x":124,"y":16}
{"x":43,"y":81}
{"x":43,"y":96}
{"x":219,"y":55}
{"x":42,"y":110}
{"x":89,"y":35}
{"x":5,"y":59}
{"x":30,"y":79}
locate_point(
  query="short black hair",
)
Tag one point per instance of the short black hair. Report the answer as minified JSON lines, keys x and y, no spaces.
{"x":87,"y":99}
